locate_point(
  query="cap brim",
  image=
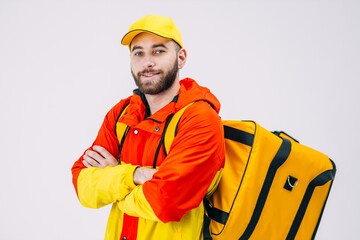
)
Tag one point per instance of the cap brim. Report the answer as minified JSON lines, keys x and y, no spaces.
{"x":128,"y":37}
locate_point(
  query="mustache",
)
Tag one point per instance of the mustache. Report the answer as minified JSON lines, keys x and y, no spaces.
{"x":149,"y":70}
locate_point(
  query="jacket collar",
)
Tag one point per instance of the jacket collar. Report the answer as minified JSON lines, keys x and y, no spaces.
{"x":190,"y":91}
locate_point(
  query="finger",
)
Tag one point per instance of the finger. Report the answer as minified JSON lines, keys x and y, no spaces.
{"x":92,"y":162}
{"x":86,"y":164}
{"x":94,"y":155}
{"x":105,"y":153}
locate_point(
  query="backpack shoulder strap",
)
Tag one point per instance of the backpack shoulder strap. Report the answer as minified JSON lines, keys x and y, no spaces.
{"x":171,"y":128}
{"x":121,"y":130}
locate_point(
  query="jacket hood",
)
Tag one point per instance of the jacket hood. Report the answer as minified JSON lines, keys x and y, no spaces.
{"x":190,"y":92}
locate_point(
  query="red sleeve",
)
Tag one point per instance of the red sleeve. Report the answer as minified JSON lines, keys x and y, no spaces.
{"x":106,"y":138}
{"x":196,"y":155}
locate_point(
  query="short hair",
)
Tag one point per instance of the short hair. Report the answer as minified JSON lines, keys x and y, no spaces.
{"x":177,"y":47}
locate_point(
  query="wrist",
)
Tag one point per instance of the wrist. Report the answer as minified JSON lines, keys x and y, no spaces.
{"x":136,"y":176}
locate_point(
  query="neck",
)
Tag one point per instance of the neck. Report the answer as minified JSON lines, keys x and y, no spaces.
{"x":158,"y":101}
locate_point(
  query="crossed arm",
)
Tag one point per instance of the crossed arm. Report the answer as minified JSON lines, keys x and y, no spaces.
{"x":99,"y":157}
{"x":197,"y":155}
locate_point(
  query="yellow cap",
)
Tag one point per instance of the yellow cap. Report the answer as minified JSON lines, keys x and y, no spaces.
{"x":155,"y":24}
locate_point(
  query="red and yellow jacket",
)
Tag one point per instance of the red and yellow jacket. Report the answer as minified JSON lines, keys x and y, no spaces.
{"x":169,"y":206}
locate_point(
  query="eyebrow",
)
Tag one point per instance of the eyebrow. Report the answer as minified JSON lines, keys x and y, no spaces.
{"x":153,"y":46}
{"x":136,"y":47}
{"x":159,"y":45}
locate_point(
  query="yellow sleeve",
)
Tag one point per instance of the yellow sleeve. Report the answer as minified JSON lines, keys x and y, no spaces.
{"x":135,"y":204}
{"x":98,"y":187}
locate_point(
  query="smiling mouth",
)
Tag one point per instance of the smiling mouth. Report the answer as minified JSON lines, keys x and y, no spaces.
{"x":149,"y":74}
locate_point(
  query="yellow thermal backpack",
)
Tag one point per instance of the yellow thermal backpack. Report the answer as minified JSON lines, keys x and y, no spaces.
{"x":272,"y":187}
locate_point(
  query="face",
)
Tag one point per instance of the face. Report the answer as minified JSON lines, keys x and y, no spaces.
{"x":155,"y":63}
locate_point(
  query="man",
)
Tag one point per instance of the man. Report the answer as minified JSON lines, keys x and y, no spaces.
{"x":155,"y":195}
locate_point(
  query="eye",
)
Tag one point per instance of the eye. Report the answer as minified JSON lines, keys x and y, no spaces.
{"x":138,"y":53}
{"x":159,"y":51}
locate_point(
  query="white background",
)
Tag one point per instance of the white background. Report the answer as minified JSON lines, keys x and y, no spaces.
{"x":289,"y":65}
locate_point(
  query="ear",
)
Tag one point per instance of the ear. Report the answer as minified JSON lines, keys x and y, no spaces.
{"x":182,"y":58}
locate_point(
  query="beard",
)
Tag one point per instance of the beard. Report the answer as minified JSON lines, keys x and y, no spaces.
{"x":159,"y":85}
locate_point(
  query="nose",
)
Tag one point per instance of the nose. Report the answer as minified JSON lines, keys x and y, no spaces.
{"x":148,"y":62}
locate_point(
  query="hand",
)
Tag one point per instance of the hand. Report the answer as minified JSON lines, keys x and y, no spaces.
{"x":143,"y":174}
{"x":99,"y":158}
